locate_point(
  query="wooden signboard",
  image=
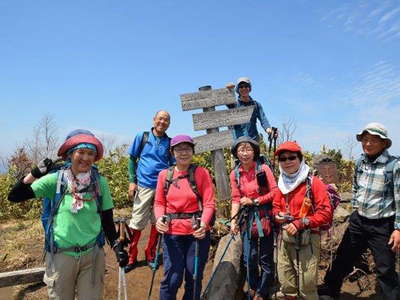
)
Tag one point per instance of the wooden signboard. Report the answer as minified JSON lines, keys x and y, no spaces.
{"x":220,"y":118}
{"x":213,"y":141}
{"x":207,"y":98}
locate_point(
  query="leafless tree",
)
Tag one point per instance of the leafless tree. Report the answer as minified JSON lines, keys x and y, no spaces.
{"x":286,"y":132}
{"x":109,"y":142}
{"x":20,"y":162}
{"x":44,"y":141}
{"x":348,"y":146}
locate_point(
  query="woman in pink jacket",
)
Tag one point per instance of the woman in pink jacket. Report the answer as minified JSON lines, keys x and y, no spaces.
{"x":253,"y":187}
{"x":184,"y":206}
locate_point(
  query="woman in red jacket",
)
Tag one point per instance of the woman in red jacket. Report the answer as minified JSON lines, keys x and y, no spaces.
{"x":253,"y":186}
{"x":301,"y":205}
{"x":184,"y":206}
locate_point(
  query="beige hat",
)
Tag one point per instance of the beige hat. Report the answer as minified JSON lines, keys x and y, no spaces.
{"x":375,"y":128}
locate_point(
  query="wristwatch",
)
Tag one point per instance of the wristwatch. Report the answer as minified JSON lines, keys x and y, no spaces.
{"x":256,"y":202}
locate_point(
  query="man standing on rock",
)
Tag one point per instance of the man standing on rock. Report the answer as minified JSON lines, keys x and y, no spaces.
{"x":243,"y":89}
{"x":148,"y":155}
{"x":375,"y":221}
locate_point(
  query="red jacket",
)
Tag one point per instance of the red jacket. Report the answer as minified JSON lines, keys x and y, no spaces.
{"x":181,"y":199}
{"x":320,"y":212}
{"x":249,"y":186}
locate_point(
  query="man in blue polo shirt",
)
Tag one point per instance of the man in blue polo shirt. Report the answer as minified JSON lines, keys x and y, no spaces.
{"x":149,"y":154}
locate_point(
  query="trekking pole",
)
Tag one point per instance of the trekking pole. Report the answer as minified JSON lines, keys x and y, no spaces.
{"x":156,"y":258}
{"x":274,"y":136}
{"x":121,"y":275}
{"x":216,"y":268}
{"x":196,"y":226}
{"x":269,"y":143}
{"x":297,"y":248}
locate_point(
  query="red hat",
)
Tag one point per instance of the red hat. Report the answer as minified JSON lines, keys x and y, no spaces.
{"x":288,"y":146}
{"x":78,"y":139}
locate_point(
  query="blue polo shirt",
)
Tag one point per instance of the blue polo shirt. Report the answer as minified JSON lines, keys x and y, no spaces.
{"x":155,"y":157}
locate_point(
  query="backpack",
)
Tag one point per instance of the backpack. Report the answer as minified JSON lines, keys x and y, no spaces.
{"x":145,"y":139}
{"x":192,"y":182}
{"x":257,"y":218}
{"x":334,"y":200}
{"x":51,"y":206}
{"x":193,"y":185}
{"x":388,"y":174}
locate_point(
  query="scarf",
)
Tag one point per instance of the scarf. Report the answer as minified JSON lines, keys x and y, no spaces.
{"x":79,"y":185}
{"x":288,"y":182}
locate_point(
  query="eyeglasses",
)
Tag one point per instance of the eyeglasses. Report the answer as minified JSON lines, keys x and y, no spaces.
{"x":372,"y":141}
{"x":181,"y":150}
{"x":244,"y":86}
{"x":244,"y":150}
{"x":283,"y":159}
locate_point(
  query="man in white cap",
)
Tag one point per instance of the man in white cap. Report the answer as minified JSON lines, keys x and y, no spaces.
{"x":375,"y":221}
{"x":243,"y":89}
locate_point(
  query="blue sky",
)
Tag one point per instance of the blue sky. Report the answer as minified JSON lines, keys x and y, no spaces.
{"x":331,"y":66}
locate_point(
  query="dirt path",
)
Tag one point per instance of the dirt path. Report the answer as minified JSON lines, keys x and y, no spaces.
{"x":28,"y":255}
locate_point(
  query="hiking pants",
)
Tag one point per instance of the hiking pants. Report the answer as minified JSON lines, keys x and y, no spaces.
{"x":258,"y":257}
{"x":361,"y":234}
{"x":179,"y":260}
{"x":83,"y":273}
{"x":142,"y":213}
{"x":308,"y":273}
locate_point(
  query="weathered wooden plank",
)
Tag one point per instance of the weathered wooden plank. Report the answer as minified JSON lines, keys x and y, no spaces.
{"x":222,"y":118}
{"x":21,"y":277}
{"x":207,"y":98}
{"x":213,"y":141}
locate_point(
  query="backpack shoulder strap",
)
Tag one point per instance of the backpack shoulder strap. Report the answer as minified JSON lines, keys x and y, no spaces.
{"x":168,"y":179}
{"x":145,"y":139}
{"x":237,"y":175}
{"x":95,"y":178}
{"x":390,"y":164}
{"x":193,"y":185}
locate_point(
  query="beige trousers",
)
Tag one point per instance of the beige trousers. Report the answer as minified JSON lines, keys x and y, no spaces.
{"x":75,"y":276}
{"x":288,"y":268}
{"x":142,"y":211}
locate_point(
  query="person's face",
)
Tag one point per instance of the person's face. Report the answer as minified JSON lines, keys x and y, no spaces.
{"x":245,"y":153}
{"x":183,"y":154}
{"x":161,"y":122}
{"x":244,"y":89}
{"x":372,"y":144}
{"x":289,"y":162}
{"x":82,"y":160}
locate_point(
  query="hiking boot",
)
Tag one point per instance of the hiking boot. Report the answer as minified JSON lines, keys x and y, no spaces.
{"x":130,"y":267}
{"x":324,"y":292}
{"x":325,"y":297}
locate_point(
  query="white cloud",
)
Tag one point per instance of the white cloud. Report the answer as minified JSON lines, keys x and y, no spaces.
{"x":379,"y":19}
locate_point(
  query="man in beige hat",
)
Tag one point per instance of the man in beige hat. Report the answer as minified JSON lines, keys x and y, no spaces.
{"x":375,"y":221}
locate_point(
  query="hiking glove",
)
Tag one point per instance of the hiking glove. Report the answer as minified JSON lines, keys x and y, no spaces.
{"x":121,"y":254}
{"x":43,"y":167}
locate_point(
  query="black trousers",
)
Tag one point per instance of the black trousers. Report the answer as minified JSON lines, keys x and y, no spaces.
{"x":361,"y":234}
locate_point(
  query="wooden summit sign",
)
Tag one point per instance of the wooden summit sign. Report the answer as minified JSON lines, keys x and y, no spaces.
{"x":215,"y":140}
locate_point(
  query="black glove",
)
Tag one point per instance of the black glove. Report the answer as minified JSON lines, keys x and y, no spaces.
{"x":43,"y":167}
{"x":121,"y":254}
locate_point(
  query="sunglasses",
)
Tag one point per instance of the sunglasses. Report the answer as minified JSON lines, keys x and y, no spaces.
{"x":244,"y":86}
{"x":291,"y":158}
